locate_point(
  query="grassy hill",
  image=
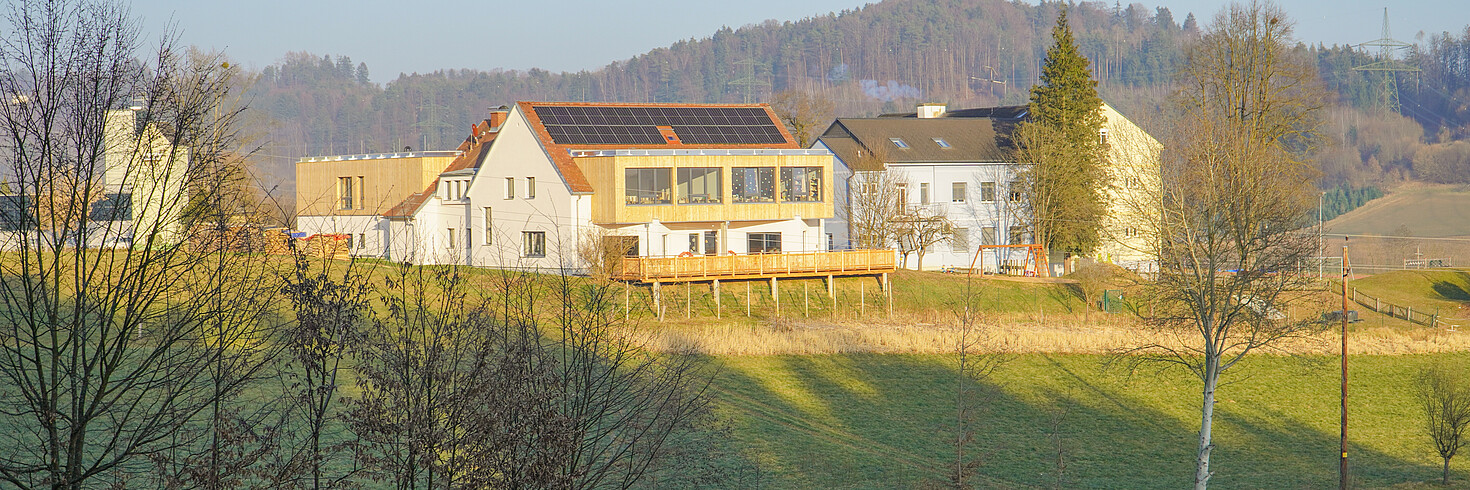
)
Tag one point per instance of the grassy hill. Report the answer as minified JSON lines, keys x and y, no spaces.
{"x":886,"y":421}
{"x":1425,"y":211}
{"x":1445,"y":291}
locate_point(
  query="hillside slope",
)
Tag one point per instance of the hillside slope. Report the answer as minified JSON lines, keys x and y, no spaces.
{"x":1424,"y":211}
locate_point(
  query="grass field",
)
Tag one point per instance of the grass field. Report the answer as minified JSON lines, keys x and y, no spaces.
{"x":1425,"y":210}
{"x":885,"y":421}
{"x":1446,"y":291}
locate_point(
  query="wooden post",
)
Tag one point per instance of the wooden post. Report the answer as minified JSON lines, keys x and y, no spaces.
{"x":832,"y":294}
{"x":806,"y":299}
{"x":658,"y":300}
{"x":747,"y":299}
{"x":688,"y":300}
{"x":715,"y":290}
{"x":776,"y":295}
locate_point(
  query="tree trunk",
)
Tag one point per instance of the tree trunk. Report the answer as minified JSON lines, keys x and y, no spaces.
{"x":1207,"y":417}
{"x":1446,"y":477}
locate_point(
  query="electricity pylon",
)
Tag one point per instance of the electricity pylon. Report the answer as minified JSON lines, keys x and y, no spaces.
{"x":1385,"y":64}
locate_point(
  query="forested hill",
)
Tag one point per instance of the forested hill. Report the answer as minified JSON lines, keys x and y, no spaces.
{"x":884,"y":57}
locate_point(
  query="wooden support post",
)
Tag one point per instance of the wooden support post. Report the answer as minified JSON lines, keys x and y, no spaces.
{"x":776,"y":296}
{"x":688,"y":300}
{"x":884,"y":282}
{"x":658,"y":300}
{"x":715,"y":291}
{"x":806,"y":298}
{"x":747,"y":299}
{"x":832,"y":294}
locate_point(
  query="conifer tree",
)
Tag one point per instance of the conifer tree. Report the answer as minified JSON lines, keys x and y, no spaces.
{"x":1062,"y":183}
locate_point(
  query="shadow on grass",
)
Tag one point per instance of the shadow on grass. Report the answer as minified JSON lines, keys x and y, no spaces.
{"x":887,"y":421}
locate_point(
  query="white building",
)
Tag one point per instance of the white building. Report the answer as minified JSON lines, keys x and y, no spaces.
{"x":959,"y":164}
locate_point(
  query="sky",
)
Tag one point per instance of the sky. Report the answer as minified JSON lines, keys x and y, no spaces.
{"x":394,"y":36}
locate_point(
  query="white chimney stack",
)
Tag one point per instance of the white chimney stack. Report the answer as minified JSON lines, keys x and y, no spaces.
{"x":930,"y":110}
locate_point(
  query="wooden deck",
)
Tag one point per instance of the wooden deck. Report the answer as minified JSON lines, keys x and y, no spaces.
{"x":757,"y":266}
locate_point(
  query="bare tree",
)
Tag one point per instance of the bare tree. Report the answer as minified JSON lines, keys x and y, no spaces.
{"x":329,"y":315}
{"x":919,"y":229}
{"x":113,"y":332}
{"x":1235,"y":192}
{"x":803,"y":112}
{"x":876,"y":203}
{"x":979,"y":355}
{"x":1445,"y":395}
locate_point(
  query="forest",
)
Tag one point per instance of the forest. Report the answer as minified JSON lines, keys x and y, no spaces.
{"x":881,"y":58}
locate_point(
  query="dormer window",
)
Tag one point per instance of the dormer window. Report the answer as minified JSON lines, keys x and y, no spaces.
{"x":1102,"y":136}
{"x":899,"y":142}
{"x":942,"y":143}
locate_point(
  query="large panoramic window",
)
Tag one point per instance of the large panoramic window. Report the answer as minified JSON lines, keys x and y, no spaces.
{"x":753,"y":184}
{"x":647,"y":186}
{"x":801,"y":184}
{"x":763,"y":243}
{"x":699,"y":185}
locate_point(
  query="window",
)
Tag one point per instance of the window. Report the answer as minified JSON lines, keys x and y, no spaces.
{"x":530,"y":187}
{"x":451,"y":243}
{"x":899,"y":142}
{"x":489,"y":227}
{"x":763,"y":243}
{"x":510,"y":187}
{"x":694,"y":243}
{"x":753,"y":184}
{"x":987,"y":235}
{"x":957,"y":192}
{"x":942,"y":143}
{"x":360,"y":190}
{"x":987,"y":191}
{"x":361,"y":240}
{"x":1102,"y":136}
{"x":1015,"y":192}
{"x":344,"y":191}
{"x":1018,"y":235}
{"x":1130,"y":232}
{"x":533,"y":243}
{"x":469,"y":237}
{"x":699,"y":185}
{"x":959,"y":241}
{"x":349,"y":241}
{"x":711,"y":243}
{"x":902,"y":202}
{"x":924,"y":193}
{"x":800,"y":184}
{"x":113,"y":207}
{"x":831,"y":241}
{"x":647,"y":186}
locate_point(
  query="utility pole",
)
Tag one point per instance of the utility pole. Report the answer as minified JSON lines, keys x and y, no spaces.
{"x":1320,"y":251}
{"x":1342,"y":469}
{"x":1387,"y":65}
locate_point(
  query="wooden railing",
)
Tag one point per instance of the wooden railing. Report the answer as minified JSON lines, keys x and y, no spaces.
{"x":712,"y":267}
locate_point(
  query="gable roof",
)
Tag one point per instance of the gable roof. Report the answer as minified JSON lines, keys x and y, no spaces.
{"x":471,"y":156}
{"x":701,"y":132}
{"x":972,"y":135}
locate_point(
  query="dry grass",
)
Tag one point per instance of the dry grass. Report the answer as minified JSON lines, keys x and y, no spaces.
{"x":1062,"y":336}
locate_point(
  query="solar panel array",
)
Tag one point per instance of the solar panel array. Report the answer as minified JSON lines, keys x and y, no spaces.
{"x":618,"y":125}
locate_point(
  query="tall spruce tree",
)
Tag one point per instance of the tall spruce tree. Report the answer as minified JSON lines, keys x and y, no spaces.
{"x":1062,"y":186}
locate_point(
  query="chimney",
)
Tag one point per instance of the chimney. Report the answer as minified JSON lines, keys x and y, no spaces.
{"x":498,"y":116}
{"x":930,"y":110}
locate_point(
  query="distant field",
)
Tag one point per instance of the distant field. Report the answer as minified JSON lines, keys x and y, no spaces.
{"x":1426,"y":211}
{"x":885,"y":421}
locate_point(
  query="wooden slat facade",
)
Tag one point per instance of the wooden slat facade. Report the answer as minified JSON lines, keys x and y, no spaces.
{"x":756,"y":266}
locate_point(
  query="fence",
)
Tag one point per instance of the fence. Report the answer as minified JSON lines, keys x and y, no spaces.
{"x":1404,"y":312}
{"x":711,"y":267}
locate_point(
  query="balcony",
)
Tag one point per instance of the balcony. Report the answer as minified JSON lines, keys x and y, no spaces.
{"x":755,"y":266}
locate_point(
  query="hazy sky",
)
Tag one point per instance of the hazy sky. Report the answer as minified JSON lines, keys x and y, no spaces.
{"x":395,"y":37}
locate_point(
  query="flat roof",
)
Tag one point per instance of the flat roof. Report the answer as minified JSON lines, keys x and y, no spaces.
{"x":381,"y":156}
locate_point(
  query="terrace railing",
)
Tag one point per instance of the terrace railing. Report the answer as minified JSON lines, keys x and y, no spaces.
{"x":755,"y":266}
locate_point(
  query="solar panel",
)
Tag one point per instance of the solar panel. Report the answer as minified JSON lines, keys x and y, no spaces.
{"x":621,"y":125}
